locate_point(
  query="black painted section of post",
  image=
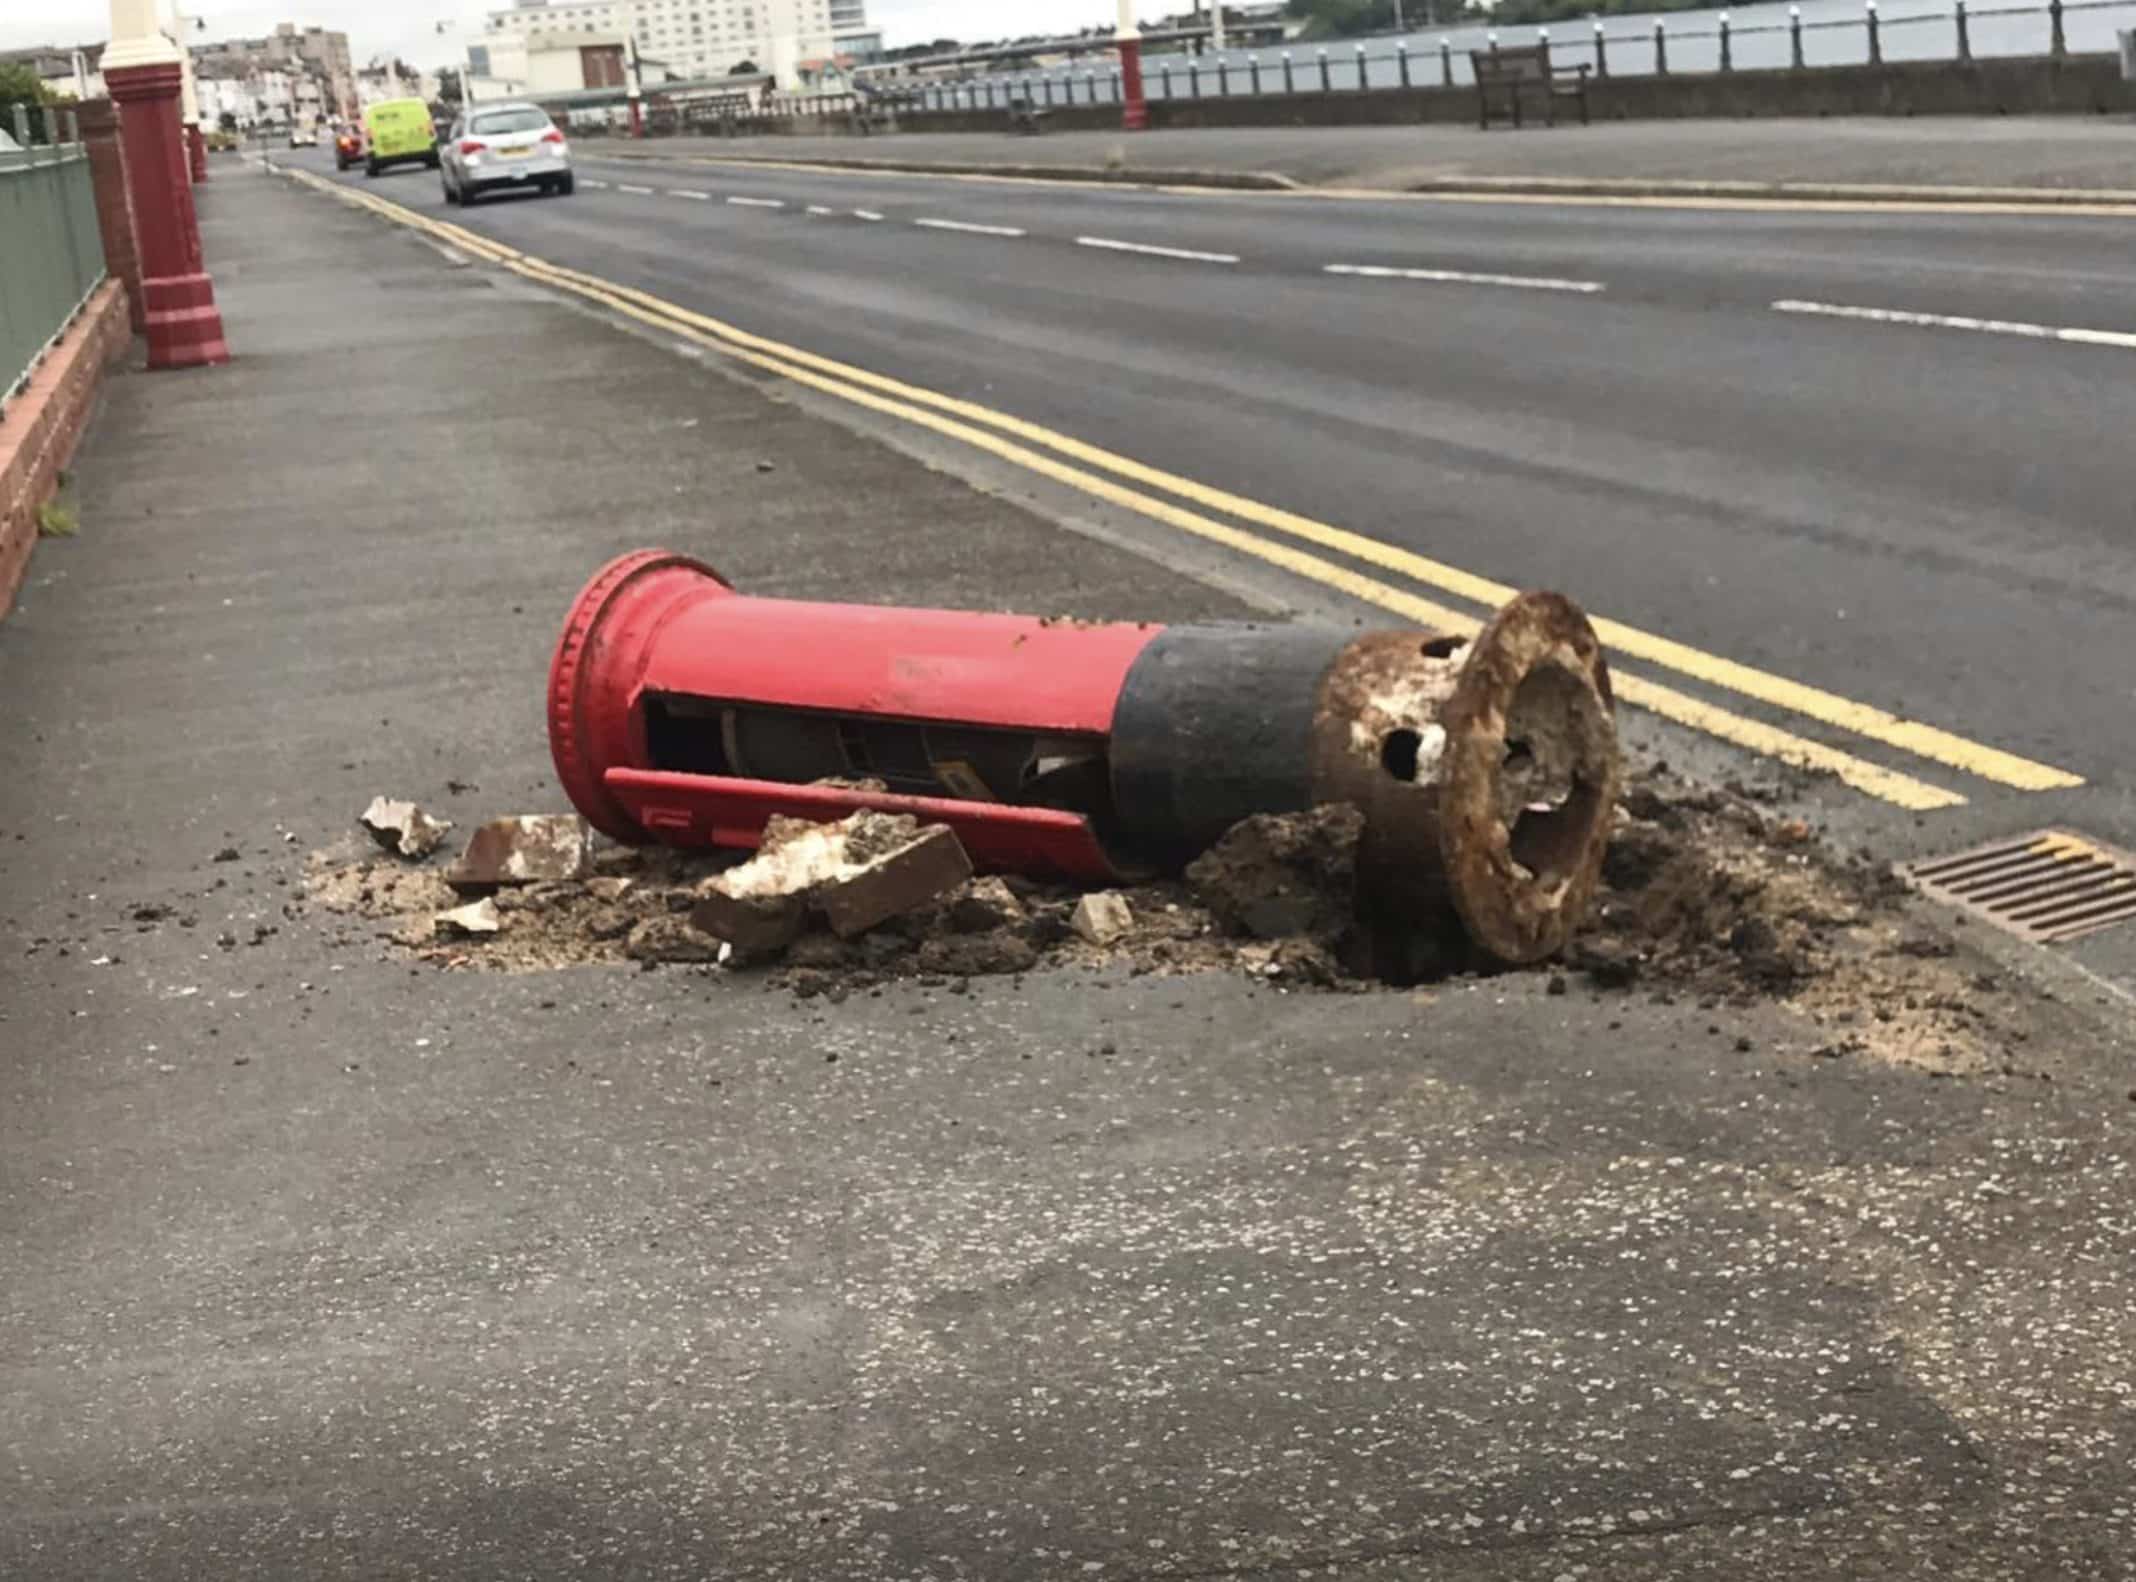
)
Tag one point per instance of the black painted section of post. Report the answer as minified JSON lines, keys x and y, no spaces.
{"x":1965,"y":31}
{"x":1601,"y":52}
{"x":1727,"y":50}
{"x":1253,"y":68}
{"x":1661,"y":51}
{"x":1876,"y":36}
{"x":1327,"y":84}
{"x":2058,"y":41}
{"x":1794,"y":36}
{"x":1446,"y":64}
{"x":1401,"y":52}
{"x":1212,"y":724}
{"x":1290,"y":83}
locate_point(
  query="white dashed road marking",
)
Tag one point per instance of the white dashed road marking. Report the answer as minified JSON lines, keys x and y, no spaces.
{"x":758,"y":203}
{"x":643,"y":192}
{"x":1946,"y":321}
{"x":976,"y":230}
{"x":1187,"y":253}
{"x":590,"y":182}
{"x":1462,"y":277}
{"x":866,"y":214}
{"x":685,"y":192}
{"x":817,"y":208}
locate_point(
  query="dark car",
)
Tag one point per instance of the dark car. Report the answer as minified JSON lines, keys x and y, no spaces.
{"x":348,"y":147}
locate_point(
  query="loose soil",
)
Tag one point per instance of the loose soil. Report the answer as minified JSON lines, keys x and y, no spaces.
{"x":1711,"y":896}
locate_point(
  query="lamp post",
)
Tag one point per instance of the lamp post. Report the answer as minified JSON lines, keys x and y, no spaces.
{"x":636,"y":86}
{"x":145,"y":74}
{"x":196,"y":143}
{"x":1134,"y":109}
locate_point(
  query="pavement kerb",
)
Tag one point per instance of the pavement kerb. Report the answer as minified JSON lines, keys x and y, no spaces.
{"x":1866,"y":193}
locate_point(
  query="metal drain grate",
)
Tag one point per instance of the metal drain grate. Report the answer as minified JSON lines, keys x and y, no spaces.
{"x":2047,"y":887}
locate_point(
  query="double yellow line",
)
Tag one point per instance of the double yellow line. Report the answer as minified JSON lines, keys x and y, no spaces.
{"x":1106,"y":476}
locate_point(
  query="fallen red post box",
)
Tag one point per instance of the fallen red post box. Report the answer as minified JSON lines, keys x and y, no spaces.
{"x":683,"y":712}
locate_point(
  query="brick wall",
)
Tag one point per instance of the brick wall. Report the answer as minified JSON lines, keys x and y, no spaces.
{"x":99,"y":122}
{"x":41,"y":425}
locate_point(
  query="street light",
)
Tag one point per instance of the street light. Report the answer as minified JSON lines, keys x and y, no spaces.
{"x":1134,"y":109}
{"x":467,"y":66}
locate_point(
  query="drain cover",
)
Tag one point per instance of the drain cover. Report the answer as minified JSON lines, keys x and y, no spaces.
{"x":2049,"y":886}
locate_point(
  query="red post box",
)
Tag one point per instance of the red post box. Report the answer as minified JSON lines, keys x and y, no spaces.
{"x":683,"y":712}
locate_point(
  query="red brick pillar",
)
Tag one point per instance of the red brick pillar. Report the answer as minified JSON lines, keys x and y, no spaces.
{"x":184,"y":326}
{"x":196,"y":145}
{"x":99,"y":120}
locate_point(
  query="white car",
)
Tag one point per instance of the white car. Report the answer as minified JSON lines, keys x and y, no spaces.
{"x":495,"y":146}
{"x":303,"y":136}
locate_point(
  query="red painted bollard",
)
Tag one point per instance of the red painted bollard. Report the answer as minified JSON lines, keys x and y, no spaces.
{"x":683,"y":712}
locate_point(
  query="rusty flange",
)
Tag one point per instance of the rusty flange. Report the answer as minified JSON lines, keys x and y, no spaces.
{"x":1486,"y":769}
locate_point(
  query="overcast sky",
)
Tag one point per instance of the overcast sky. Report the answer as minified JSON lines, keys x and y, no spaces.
{"x":409,"y":27}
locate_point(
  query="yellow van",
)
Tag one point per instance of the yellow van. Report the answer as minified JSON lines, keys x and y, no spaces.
{"x":398,"y":132}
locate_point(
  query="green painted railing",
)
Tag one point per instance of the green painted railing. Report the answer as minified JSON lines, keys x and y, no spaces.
{"x":51,"y":254}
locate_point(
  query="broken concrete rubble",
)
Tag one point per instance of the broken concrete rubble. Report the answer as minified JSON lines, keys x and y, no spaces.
{"x":985,"y":905}
{"x":857,"y":873}
{"x":473,"y":920}
{"x":1276,"y":875}
{"x":400,"y":827}
{"x":1103,"y":918}
{"x":1709,"y":896}
{"x":528,"y":849}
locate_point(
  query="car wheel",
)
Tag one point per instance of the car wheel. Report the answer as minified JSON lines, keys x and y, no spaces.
{"x":450,"y":195}
{"x":432,"y":161}
{"x":564,"y":186}
{"x":468,"y":196}
{"x":370,"y":167}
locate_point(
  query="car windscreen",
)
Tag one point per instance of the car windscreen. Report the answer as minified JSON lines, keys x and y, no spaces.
{"x":509,"y":121}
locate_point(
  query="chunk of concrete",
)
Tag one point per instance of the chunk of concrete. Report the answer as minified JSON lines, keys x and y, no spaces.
{"x":401,"y":827}
{"x":858,"y":872}
{"x":530,"y":849}
{"x":1103,"y":918}
{"x":755,"y":925}
{"x":985,"y":905}
{"x":1276,"y":875}
{"x":670,"y":939}
{"x":472,"y":921}
{"x":890,"y":872}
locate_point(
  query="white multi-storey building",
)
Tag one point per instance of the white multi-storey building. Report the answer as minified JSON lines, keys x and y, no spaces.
{"x":682,"y":38}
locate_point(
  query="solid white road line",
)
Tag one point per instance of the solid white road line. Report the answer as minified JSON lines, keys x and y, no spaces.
{"x":643,"y":192}
{"x":866,"y":214}
{"x":2123,"y":339}
{"x":759,"y":203}
{"x":1187,"y":253}
{"x":817,"y":208}
{"x":976,"y":230}
{"x":685,"y":192}
{"x":1462,"y":277}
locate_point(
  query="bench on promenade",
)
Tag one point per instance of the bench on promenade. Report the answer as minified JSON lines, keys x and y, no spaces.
{"x":1028,"y":117}
{"x":868,"y":119}
{"x":1507,"y":77}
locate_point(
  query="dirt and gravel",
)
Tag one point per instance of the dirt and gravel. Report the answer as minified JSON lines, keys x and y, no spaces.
{"x":1719,"y":896}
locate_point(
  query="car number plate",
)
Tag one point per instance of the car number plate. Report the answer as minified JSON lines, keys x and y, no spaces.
{"x":517,"y":151}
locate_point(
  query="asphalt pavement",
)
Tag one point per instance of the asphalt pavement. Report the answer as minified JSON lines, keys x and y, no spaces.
{"x":316,"y":1262}
{"x":2051,"y":153}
